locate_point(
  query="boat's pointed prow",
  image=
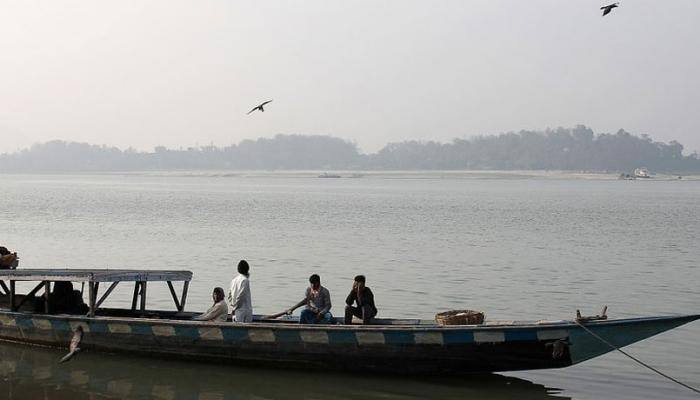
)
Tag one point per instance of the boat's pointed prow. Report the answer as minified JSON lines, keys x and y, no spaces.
{"x":693,"y":317}
{"x":619,"y":333}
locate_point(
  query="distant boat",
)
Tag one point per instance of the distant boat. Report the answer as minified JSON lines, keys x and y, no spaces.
{"x":327,"y":175}
{"x":641,"y":173}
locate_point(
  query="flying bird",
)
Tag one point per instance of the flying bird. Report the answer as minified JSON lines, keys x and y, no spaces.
{"x":260,"y":107}
{"x":608,"y":8}
{"x":74,"y":342}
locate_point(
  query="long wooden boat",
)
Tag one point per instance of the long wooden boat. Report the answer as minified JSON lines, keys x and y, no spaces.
{"x":406,"y":346}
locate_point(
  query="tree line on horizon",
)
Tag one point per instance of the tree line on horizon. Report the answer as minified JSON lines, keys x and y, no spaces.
{"x":571,"y":149}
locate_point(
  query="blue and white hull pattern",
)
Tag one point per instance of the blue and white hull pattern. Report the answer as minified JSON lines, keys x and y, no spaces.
{"x":395,"y":346}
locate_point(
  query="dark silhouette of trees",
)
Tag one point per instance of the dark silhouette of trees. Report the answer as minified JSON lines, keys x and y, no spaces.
{"x":577,"y":148}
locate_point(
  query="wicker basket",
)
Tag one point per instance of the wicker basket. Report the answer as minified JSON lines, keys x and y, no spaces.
{"x":460,"y":317}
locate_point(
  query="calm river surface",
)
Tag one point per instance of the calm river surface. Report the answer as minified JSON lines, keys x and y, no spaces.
{"x":514,"y":247}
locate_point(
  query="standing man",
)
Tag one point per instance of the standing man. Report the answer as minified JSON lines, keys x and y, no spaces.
{"x":239,"y":295}
{"x":361,"y":294}
{"x":318,"y":304}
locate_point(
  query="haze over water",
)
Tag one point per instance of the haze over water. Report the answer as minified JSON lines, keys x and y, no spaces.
{"x":514,"y":248}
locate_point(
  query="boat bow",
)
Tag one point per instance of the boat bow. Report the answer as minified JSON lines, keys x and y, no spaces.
{"x":619,"y":333}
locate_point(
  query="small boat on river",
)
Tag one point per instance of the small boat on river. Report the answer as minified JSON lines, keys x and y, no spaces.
{"x":405,"y":346}
{"x":641,"y":173}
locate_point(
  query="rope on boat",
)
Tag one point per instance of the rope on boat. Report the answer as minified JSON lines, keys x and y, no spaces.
{"x":638,"y":361}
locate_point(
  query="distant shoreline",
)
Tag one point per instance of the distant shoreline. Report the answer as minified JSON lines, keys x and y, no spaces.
{"x":576,"y":150}
{"x":365,"y":174}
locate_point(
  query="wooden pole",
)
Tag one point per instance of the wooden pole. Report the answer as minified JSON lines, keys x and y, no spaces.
{"x":30,"y":294}
{"x":183,"y":299}
{"x":47,"y":291}
{"x":136,"y":295}
{"x":91,"y":295}
{"x":12,"y":296}
{"x":97,"y":285}
{"x":143,"y":296}
{"x":172,"y":293}
{"x":104,"y":296}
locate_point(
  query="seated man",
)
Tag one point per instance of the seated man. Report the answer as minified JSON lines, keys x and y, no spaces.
{"x":318,"y":304}
{"x":64,"y":300}
{"x":361,"y":294}
{"x":219,"y":311}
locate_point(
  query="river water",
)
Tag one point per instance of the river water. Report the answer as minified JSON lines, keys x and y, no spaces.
{"x":516,"y":247}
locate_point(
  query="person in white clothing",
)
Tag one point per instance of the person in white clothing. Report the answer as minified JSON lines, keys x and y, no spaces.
{"x":219,"y":311}
{"x":239,"y":295}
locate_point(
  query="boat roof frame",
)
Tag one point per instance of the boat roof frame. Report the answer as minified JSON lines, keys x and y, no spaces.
{"x":93,"y":277}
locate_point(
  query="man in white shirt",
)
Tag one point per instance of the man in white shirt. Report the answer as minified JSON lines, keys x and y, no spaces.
{"x":239,"y":295}
{"x":219,"y":311}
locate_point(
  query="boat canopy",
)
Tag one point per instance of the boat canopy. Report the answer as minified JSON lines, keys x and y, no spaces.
{"x":93,"y":277}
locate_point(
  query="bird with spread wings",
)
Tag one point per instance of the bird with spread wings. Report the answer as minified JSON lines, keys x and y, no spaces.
{"x":608,"y":8}
{"x":259,"y":107}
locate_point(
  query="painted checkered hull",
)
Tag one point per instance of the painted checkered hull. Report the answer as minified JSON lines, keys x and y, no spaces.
{"x":393,"y":349}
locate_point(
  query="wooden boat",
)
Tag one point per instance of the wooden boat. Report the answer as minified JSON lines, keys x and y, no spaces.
{"x":406,"y":346}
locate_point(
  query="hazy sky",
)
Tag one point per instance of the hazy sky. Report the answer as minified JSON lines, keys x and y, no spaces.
{"x":180,"y":73}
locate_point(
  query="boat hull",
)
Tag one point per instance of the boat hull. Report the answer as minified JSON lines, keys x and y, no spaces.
{"x":387,"y":349}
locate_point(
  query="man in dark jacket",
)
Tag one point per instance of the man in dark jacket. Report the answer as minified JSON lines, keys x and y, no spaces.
{"x":364,"y":298}
{"x":64,"y":300}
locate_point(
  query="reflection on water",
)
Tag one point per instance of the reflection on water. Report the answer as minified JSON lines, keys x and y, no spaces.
{"x":31,"y":372}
